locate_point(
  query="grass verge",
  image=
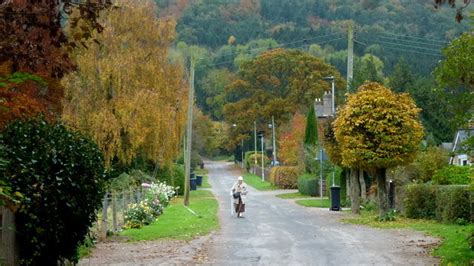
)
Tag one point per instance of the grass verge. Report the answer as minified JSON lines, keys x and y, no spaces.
{"x":454,"y":248}
{"x":256,"y":182}
{"x":318,"y":203}
{"x":295,"y":195}
{"x":179,"y":223}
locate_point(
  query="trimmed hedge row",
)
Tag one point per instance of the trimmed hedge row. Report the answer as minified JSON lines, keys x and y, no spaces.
{"x":284,"y":176}
{"x":308,"y":185}
{"x":449,"y":204}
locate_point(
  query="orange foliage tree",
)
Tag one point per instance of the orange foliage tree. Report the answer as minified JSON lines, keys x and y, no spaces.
{"x":33,"y":42}
{"x":291,"y":150}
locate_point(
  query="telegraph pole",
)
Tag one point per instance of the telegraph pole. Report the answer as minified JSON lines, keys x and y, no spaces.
{"x":350,"y":55}
{"x":274,"y":141}
{"x":189,"y":134}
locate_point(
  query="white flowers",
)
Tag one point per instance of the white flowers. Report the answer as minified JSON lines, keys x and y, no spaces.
{"x":157,"y":196}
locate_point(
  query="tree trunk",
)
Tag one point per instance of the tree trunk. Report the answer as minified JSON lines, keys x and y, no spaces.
{"x":348,"y":183}
{"x":382,"y":191}
{"x":363,"y":188}
{"x":355,"y":191}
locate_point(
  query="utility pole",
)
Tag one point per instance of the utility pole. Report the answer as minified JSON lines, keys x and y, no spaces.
{"x":350,"y":55}
{"x":321,"y":171}
{"x":263,"y":161}
{"x":189,"y":134}
{"x":274,"y":141}
{"x":255,"y":147}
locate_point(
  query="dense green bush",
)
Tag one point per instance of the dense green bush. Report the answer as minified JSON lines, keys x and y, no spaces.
{"x":337,"y":178}
{"x":454,"y":175}
{"x":174,"y":176}
{"x":420,"y":201}
{"x":196,"y":159}
{"x":308,"y":185}
{"x":453,"y":204}
{"x":61,"y":176}
{"x":7,"y":196}
{"x":284,"y":176}
{"x":450,"y":204}
{"x":427,"y":162}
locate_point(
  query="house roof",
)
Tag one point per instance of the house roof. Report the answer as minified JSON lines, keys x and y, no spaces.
{"x":461,"y":136}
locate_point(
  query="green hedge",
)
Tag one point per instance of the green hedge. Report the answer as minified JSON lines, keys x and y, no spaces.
{"x":453,"y":203}
{"x":449,"y":204}
{"x":61,"y":176}
{"x":454,"y":175}
{"x":284,"y":176}
{"x":308,"y":185}
{"x":420,"y":201}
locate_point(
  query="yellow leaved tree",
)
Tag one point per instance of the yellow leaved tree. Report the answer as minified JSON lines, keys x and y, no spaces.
{"x":378,"y":129}
{"x":127,"y":93}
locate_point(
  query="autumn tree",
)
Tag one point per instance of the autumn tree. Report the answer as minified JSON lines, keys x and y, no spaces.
{"x":290,"y":141}
{"x":354,"y":177}
{"x":378,"y":129}
{"x":277,"y":83}
{"x":126,"y":93}
{"x":34,"y":44}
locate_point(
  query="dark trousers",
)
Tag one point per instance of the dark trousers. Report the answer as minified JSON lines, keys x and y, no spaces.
{"x":239,"y":207}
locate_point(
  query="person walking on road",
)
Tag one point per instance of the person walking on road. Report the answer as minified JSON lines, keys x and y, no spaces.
{"x":239,"y":192}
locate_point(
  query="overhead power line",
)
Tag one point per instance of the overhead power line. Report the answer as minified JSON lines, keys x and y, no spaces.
{"x":412,"y":42}
{"x":284,"y":44}
{"x":412,"y":51}
{"x":279,"y":46}
{"x":415,"y":37}
{"x":400,"y":49}
{"x":405,"y":45}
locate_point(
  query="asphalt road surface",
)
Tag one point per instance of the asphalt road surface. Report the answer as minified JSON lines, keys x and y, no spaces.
{"x":279,"y":232}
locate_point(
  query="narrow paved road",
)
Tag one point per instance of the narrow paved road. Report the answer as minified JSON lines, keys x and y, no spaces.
{"x":279,"y":232}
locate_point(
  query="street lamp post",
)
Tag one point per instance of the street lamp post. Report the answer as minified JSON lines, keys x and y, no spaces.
{"x":242,"y":153}
{"x":241,"y":149}
{"x":333,"y":106}
{"x":274,"y":151}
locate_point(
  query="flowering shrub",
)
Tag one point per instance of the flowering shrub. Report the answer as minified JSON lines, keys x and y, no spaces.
{"x":161,"y":191}
{"x":157,"y":197}
{"x":138,"y":214}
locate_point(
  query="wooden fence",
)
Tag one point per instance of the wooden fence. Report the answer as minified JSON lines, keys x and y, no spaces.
{"x":8,"y":250}
{"x":112,"y":216}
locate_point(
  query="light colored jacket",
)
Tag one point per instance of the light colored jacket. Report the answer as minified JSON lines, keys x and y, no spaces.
{"x":242,"y":188}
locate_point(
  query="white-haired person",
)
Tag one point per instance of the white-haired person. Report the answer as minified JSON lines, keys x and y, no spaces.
{"x":239,"y":192}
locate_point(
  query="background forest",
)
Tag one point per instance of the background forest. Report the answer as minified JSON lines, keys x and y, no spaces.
{"x":397,"y":42}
